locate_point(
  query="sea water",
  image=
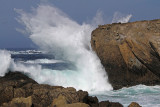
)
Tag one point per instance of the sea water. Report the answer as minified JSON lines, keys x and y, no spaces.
{"x":44,"y":68}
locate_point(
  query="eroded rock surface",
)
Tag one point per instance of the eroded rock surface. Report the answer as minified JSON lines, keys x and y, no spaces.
{"x":18,"y":85}
{"x":130,"y":52}
{"x":19,"y":102}
{"x":18,"y":90}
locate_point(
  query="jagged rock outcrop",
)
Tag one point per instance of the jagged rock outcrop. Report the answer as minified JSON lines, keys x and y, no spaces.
{"x":17,"y":85}
{"x":18,"y":90}
{"x":130,"y":52}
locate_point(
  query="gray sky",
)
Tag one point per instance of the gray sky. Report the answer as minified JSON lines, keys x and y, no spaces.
{"x":78,"y":10}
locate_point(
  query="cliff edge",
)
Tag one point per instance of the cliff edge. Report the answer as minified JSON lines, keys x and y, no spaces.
{"x":130,"y":52}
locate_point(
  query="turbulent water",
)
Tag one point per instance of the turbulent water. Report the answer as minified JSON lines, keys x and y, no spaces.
{"x":55,"y":33}
{"x":65,"y":57}
{"x":44,"y":68}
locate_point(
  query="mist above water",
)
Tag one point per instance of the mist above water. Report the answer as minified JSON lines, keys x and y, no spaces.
{"x":54,"y":32}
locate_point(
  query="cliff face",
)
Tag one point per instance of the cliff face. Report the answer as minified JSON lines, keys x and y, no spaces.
{"x":130,"y":52}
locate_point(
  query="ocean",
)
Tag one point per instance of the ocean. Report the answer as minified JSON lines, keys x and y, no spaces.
{"x":44,"y":68}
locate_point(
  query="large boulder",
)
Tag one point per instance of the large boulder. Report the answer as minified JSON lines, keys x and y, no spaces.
{"x":130,"y":52}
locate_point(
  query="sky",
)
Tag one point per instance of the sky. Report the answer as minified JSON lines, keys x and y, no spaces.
{"x":78,"y":10}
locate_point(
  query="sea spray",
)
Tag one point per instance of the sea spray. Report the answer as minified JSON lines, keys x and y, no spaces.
{"x":54,"y":32}
{"x":121,"y":18}
{"x":149,"y":94}
{"x":5,"y":60}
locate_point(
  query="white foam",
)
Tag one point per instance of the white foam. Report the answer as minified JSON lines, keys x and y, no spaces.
{"x":43,"y":61}
{"x":5,"y":60}
{"x":121,"y":18}
{"x":53,"y":31}
{"x":26,"y":52}
{"x":146,"y":96}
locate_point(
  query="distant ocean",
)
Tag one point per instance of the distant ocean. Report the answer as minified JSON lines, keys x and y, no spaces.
{"x":44,"y":68}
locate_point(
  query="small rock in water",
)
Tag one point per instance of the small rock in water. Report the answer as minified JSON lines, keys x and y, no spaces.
{"x":134,"y":104}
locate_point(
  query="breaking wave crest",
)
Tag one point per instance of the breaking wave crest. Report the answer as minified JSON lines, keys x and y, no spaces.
{"x":54,"y":32}
{"x":5,"y":59}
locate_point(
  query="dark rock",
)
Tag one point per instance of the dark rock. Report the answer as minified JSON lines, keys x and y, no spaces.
{"x":19,"y":92}
{"x":15,"y":79}
{"x":93,"y":101}
{"x":11,"y":86}
{"x":83,"y":96}
{"x":109,"y":104}
{"x":129,"y":52}
{"x":6,"y":94}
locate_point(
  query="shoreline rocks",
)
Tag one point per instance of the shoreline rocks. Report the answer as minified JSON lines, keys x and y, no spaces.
{"x":129,"y":52}
{"x":18,"y":90}
{"x":17,"y":85}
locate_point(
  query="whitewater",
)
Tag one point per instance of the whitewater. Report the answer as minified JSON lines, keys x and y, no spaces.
{"x":65,"y":58}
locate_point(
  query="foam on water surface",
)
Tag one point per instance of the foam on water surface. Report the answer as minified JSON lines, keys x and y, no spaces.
{"x":146,"y":96}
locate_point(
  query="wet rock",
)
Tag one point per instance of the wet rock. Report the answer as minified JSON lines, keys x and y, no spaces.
{"x":11,"y":86}
{"x":134,"y":104}
{"x":19,"y":85}
{"x":83,"y":96}
{"x":109,"y":104}
{"x":27,"y":93}
{"x":93,"y":101}
{"x":129,"y":52}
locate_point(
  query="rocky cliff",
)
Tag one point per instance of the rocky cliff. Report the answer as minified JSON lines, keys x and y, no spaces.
{"x":130,"y":52}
